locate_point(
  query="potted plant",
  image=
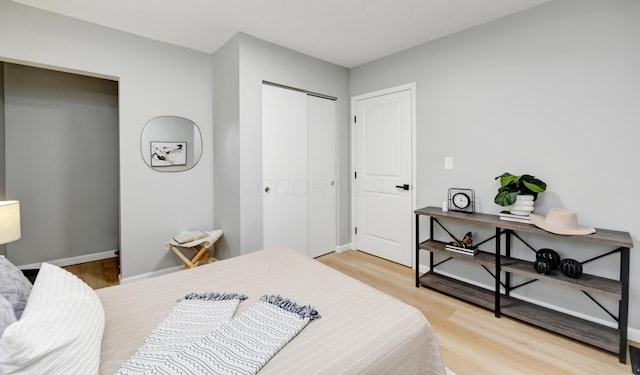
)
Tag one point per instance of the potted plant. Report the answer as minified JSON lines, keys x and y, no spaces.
{"x":511,"y":186}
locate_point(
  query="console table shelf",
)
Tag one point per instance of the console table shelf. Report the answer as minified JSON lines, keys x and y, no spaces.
{"x":586,"y":282}
{"x":447,"y":285}
{"x":500,"y":300}
{"x":582,"y":330}
{"x":482,"y":257}
{"x":604,"y":236}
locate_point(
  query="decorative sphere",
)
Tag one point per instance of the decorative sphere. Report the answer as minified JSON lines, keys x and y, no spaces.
{"x":549,"y":255}
{"x":542,"y":266}
{"x":571,"y":268}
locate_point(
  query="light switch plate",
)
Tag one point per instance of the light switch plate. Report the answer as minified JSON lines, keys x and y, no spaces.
{"x":448,"y":162}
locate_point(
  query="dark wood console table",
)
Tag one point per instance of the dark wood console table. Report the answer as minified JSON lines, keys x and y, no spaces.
{"x":500,"y":261}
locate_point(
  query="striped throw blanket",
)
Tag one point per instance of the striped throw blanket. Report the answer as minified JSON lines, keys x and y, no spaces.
{"x":242,"y":345}
{"x":193,"y":317}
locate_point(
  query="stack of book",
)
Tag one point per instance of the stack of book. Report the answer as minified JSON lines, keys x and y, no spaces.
{"x":461,"y":250}
{"x":508,"y":216}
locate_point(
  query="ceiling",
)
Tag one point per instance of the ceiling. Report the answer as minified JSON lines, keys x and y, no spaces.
{"x":345,"y":32}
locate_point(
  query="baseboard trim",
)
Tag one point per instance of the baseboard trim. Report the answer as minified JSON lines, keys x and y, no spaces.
{"x":343,"y":248}
{"x":151,"y":274}
{"x":633,"y":335}
{"x":73,"y":260}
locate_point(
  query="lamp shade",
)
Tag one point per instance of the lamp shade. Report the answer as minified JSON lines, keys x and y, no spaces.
{"x":9,"y":221}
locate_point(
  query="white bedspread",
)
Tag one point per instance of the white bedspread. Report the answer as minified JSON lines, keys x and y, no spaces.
{"x":362,"y":330}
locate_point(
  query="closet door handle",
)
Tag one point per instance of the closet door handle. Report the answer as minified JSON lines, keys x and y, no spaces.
{"x":403,"y":187}
{"x":267,"y":189}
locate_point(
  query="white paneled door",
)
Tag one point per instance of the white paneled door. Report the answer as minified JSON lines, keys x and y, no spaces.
{"x":383,"y":175}
{"x":299,"y":163}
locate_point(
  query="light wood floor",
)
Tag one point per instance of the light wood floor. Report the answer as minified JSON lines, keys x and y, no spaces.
{"x":472,"y":340}
{"x":98,"y":274}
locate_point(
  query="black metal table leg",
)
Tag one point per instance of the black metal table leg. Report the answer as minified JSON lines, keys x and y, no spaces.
{"x":624,"y":304}
{"x":417,"y":251}
{"x":497,"y":290}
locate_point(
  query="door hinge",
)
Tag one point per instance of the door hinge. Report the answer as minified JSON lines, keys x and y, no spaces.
{"x":355,"y":174}
{"x":355,"y":119}
{"x":356,"y":230}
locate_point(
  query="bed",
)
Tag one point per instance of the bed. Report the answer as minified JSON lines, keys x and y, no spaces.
{"x":361,"y":330}
{"x":68,"y":328}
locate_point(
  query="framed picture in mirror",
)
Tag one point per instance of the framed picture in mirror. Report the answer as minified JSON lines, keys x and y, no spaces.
{"x":167,"y":154}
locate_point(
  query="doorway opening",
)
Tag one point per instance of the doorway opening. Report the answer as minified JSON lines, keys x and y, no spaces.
{"x":60,"y":155}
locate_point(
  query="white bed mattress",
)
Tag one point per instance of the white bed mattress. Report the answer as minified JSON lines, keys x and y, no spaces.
{"x":362,"y":330}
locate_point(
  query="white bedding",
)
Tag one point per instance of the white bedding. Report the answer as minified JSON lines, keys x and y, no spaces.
{"x":362,"y":330}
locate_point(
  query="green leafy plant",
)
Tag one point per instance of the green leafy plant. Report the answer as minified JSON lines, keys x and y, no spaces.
{"x":511,"y":186}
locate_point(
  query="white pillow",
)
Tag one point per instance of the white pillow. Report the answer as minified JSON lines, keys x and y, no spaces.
{"x":7,"y":316}
{"x":14,"y":286}
{"x":60,"y":329}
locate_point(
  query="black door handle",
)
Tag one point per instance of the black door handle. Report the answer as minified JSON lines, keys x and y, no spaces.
{"x":404,"y":187}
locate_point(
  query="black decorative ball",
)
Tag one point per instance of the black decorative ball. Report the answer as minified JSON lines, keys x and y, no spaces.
{"x":542,"y":266}
{"x":571,"y":268}
{"x":550,"y":256}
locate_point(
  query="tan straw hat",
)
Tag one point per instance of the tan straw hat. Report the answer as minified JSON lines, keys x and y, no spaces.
{"x":560,"y":221}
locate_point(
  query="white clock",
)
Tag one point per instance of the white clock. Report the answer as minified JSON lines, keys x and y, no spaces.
{"x":462,"y":200}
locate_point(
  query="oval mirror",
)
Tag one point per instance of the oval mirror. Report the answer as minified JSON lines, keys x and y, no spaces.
{"x":171,"y":143}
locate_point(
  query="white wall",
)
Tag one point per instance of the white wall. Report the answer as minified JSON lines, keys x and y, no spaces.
{"x":154,"y":79}
{"x":553,"y":92}
{"x":226,"y":119}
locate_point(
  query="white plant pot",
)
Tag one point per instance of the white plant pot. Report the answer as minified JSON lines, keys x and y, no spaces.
{"x":523,"y":205}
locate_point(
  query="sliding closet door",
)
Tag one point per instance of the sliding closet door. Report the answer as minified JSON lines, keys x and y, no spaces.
{"x":321,"y":175}
{"x":284,"y":168}
{"x":299,"y":164}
